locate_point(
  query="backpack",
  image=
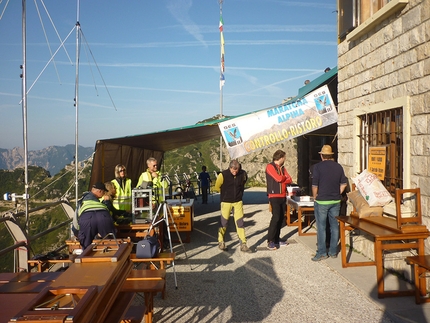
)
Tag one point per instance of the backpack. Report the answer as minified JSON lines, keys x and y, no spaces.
{"x":148,"y":247}
{"x":75,"y":223}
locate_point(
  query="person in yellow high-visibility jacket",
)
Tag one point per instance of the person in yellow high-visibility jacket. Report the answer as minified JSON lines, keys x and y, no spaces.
{"x":153,"y":176}
{"x":122,"y":185}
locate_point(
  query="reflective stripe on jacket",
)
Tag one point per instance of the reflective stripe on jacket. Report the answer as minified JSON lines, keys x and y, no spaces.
{"x":91,"y":205}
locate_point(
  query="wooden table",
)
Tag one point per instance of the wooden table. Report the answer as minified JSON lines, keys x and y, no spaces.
{"x":302,"y":209}
{"x":18,"y":289}
{"x":102,"y":276}
{"x":106,"y":276}
{"x":384,"y":239}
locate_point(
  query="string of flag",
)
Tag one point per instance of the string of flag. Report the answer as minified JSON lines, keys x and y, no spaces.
{"x":221,"y":28}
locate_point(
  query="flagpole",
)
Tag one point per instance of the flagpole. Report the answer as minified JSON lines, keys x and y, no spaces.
{"x":222,"y":80}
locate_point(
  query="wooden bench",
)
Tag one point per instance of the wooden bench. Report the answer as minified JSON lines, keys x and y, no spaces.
{"x":388,"y":233}
{"x":149,"y":288}
{"x":163,"y":258}
{"x":124,"y":311}
{"x":421,"y":266}
{"x":149,"y":274}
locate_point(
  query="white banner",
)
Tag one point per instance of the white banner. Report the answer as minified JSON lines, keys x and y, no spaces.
{"x":259,"y":130}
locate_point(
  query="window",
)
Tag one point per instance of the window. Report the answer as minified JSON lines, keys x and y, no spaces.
{"x":384,"y":129}
{"x":367,"y":8}
{"x":354,"y":16}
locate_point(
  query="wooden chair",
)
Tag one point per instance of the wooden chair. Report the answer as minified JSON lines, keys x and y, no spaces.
{"x":411,"y":197}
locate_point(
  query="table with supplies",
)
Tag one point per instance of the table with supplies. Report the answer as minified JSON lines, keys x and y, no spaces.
{"x":302,"y":206}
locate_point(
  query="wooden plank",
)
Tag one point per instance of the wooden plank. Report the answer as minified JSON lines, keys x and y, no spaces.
{"x":143,"y":286}
{"x":23,"y":287}
{"x":56,"y":304}
{"x":146,"y":274}
{"x":11,"y":304}
{"x":149,"y":274}
{"x":107,"y":276}
{"x":163,"y":258}
{"x":134,"y":314}
{"x":149,"y":288}
{"x":39,"y":277}
{"x":422,"y":261}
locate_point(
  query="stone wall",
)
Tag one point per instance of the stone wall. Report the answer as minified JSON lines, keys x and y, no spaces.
{"x":390,"y":61}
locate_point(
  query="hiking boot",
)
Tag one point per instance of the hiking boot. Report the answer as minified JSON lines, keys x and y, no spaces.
{"x":244,"y":248}
{"x":271,"y":246}
{"x":222,"y":246}
{"x":319,"y":257}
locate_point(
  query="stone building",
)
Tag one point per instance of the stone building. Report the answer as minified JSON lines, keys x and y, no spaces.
{"x":384,"y":94}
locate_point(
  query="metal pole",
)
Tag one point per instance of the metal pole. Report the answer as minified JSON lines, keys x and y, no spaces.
{"x":221,"y":92}
{"x":24,"y":107}
{"x":77,"y":106}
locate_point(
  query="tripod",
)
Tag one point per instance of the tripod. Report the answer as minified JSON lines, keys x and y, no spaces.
{"x":166,"y":215}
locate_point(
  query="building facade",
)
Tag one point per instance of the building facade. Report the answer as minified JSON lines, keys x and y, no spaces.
{"x":384,"y":94}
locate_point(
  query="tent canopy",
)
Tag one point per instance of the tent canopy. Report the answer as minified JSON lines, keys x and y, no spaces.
{"x":133,"y":151}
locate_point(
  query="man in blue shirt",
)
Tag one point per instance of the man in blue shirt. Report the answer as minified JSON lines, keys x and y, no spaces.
{"x":328,"y":183}
{"x":205,"y":180}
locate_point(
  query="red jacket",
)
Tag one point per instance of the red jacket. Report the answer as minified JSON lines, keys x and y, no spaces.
{"x":277,"y":179}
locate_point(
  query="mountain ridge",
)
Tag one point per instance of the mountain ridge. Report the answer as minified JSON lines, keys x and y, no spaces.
{"x":52,"y":158}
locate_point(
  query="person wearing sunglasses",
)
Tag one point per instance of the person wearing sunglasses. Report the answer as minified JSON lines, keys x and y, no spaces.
{"x":153,"y":177}
{"x":122,"y":184}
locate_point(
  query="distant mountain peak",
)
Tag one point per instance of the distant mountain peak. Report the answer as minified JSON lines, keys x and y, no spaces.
{"x":52,"y":158}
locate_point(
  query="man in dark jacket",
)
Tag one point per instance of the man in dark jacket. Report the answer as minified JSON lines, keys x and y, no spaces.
{"x":277,"y":179}
{"x":94,"y":216}
{"x":328,"y":183}
{"x":231,"y":184}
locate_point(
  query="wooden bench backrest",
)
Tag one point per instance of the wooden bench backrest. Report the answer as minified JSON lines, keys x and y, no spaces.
{"x":414,"y":196}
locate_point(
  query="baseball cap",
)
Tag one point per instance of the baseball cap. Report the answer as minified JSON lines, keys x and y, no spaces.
{"x":100,"y":186}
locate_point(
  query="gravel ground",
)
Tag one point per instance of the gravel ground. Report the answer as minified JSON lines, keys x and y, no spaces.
{"x":263,"y":286}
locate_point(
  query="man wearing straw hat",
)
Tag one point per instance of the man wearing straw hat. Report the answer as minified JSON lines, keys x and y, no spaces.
{"x":328,"y":183}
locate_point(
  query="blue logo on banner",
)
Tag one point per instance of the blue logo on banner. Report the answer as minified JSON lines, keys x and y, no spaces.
{"x":233,"y":136}
{"x":323,"y":103}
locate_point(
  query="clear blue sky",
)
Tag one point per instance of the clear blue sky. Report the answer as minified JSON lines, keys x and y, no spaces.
{"x":160,"y":61}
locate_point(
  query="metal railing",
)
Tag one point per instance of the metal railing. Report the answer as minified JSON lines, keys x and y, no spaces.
{"x":22,"y":241}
